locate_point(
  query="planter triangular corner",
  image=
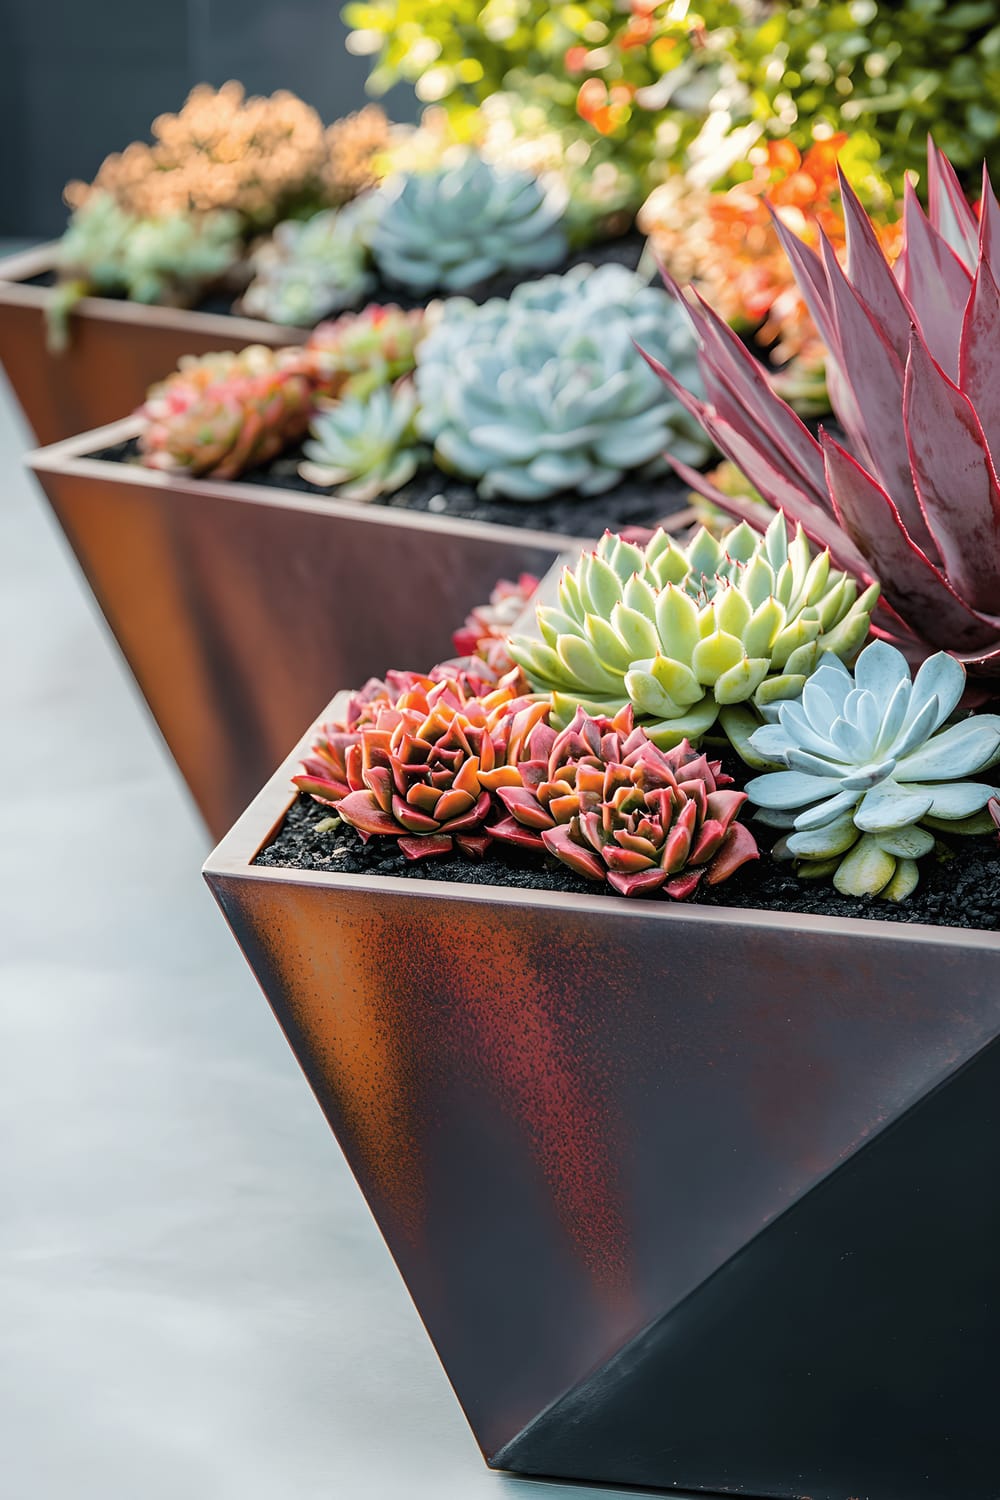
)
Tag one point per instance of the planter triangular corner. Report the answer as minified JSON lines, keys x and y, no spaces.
{"x":692,"y":1199}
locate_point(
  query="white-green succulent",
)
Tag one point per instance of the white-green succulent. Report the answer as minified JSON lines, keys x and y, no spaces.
{"x":546,"y":391}
{"x":689,"y":634}
{"x":456,"y":225}
{"x":311,"y":268}
{"x":365,"y":448}
{"x":107,"y":251}
{"x":870,"y":770}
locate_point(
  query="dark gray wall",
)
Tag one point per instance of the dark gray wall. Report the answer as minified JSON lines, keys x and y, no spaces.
{"x":80,"y":78}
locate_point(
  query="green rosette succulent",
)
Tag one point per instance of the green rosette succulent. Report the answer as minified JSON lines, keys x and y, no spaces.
{"x":311,"y":268}
{"x":459,"y":224}
{"x":689,"y":634}
{"x":544,"y":392}
{"x":365,"y":448}
{"x":110,"y":252}
{"x":868,"y":772}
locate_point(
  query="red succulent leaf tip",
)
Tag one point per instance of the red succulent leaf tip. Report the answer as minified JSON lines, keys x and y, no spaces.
{"x":425,"y":847}
{"x":994,"y":810}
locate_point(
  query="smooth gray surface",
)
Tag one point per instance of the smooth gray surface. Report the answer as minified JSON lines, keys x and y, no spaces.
{"x":194,"y":1301}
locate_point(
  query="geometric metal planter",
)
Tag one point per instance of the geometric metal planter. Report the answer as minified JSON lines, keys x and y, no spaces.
{"x":117,"y":349}
{"x":687,"y":1198}
{"x":239,"y":607}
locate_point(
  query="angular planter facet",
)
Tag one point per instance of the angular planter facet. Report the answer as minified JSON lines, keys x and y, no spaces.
{"x":240,"y":607}
{"x":117,"y":349}
{"x":687,"y":1198}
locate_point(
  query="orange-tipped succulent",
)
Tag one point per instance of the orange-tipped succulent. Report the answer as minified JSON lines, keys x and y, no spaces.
{"x":358,"y":352}
{"x":221,"y":414}
{"x":492,"y":622}
{"x":422,"y":770}
{"x":603,"y":799}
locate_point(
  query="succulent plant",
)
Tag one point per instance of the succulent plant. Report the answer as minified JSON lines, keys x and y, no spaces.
{"x":311,"y":268}
{"x":359,"y":352}
{"x":456,"y":225}
{"x":492,"y":621}
{"x":869,"y":772}
{"x":366,"y":448}
{"x":110,"y":252}
{"x":421,"y":771}
{"x":993,"y":808}
{"x":221,"y":414}
{"x":913,"y":370}
{"x":543,"y":392}
{"x":606,"y":801}
{"x":262,"y":158}
{"x":684,"y":633}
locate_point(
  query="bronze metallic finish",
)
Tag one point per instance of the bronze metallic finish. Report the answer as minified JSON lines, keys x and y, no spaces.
{"x":239,"y":607}
{"x":117,"y":349}
{"x":576,"y":1119}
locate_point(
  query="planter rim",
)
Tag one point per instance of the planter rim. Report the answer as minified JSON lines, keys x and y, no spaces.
{"x":234,"y":855}
{"x":71,"y":456}
{"x":16,"y":271}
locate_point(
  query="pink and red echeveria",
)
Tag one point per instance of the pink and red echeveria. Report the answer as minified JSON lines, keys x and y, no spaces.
{"x":441,"y":766}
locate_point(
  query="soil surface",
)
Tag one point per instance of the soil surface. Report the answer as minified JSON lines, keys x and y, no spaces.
{"x":959,"y":882}
{"x":637,"y":501}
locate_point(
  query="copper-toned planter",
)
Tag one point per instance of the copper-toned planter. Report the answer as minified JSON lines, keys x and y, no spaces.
{"x":687,"y":1198}
{"x":239,"y":607}
{"x":117,"y":349}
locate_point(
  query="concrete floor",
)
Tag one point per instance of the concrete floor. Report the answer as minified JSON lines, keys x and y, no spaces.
{"x":194,"y":1301}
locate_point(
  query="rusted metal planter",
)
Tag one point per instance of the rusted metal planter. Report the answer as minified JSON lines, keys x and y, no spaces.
{"x":117,"y":349}
{"x":239,"y":607}
{"x":687,"y":1198}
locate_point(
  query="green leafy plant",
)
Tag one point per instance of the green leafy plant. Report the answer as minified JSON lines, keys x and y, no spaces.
{"x":913,"y":366}
{"x":543,"y":392}
{"x":684,"y":633}
{"x":869,"y":773}
{"x":309,"y":269}
{"x":112,"y":253}
{"x":365,"y":448}
{"x":453,"y":226}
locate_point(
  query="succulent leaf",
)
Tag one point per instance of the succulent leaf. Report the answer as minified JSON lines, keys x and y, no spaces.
{"x":866,"y":761}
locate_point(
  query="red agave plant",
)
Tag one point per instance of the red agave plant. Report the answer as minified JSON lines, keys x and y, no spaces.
{"x":912,"y":499}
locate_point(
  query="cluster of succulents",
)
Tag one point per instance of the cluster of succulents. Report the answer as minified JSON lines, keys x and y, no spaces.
{"x":261,"y":158}
{"x":358,"y":352}
{"x":365,"y":446}
{"x":543,"y":392}
{"x":642,"y":77}
{"x":684,"y":634}
{"x":869,"y":775}
{"x":435,"y":766}
{"x":310,"y":268}
{"x":459,"y":224}
{"x":114,"y":253}
{"x":221,"y":414}
{"x":725,"y":242}
{"x":912,"y":498}
{"x":442,"y":228}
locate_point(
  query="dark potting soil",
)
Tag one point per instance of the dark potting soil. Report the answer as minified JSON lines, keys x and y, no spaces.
{"x":959,"y":882}
{"x":637,"y":501}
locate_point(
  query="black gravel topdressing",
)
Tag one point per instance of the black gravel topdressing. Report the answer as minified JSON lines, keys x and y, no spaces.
{"x":960,"y":887}
{"x":624,"y":251}
{"x":637,"y":501}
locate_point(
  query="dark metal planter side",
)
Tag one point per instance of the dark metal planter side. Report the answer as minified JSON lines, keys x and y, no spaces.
{"x":117,"y":349}
{"x":613,"y":1145}
{"x":239,"y":607}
